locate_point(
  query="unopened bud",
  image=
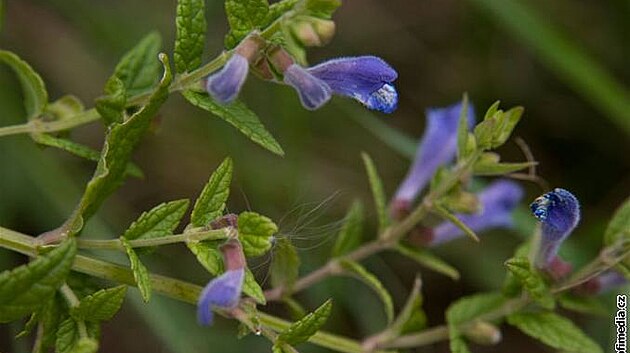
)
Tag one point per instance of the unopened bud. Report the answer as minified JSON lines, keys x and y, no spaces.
{"x":462,"y":202}
{"x":313,"y":31}
{"x":483,"y":333}
{"x":325,"y":29}
{"x":228,"y":220}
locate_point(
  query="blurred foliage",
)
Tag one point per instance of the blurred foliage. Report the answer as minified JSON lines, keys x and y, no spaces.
{"x":574,"y":109}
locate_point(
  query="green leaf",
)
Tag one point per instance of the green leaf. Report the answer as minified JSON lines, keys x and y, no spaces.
{"x":456,"y":221}
{"x":252,"y":288}
{"x":255,"y":233}
{"x":34,"y":90}
{"x":49,"y":320}
{"x":470,"y":307}
{"x":65,"y":107}
{"x":506,"y":125}
{"x":377,"y":191}
{"x":618,"y":231}
{"x":300,"y":331}
{"x":139,"y":68}
{"x":467,"y":309}
{"x":140,"y":272}
{"x":69,"y":339}
{"x":583,"y":304}
{"x":191,"y":35}
{"x":119,"y":145}
{"x":27,"y":288}
{"x":244,"y":16}
{"x":158,"y":222}
{"x":428,"y":260}
{"x":488,"y":164}
{"x":555,"y":331}
{"x":457,"y":344}
{"x":532,"y":281}
{"x":111,"y":107}
{"x":497,"y":126}
{"x":285,"y":264}
{"x":462,"y":129}
{"x":349,"y":237}
{"x":278,"y":9}
{"x":207,"y":255}
{"x":356,"y":270}
{"x":411,"y":318}
{"x":80,"y":150}
{"x":29,"y":326}
{"x":100,"y":306}
{"x":239,"y":116}
{"x":322,"y":8}
{"x":211,"y":201}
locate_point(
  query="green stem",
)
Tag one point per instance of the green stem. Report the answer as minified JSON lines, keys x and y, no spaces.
{"x":181,"y":82}
{"x":388,"y":239}
{"x":170,"y":287}
{"x":116,"y":244}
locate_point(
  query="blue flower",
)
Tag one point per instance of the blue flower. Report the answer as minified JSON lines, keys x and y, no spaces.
{"x":437,"y":147}
{"x":497,"y":201}
{"x":225,"y":84}
{"x":367,"y":79}
{"x":222,"y":292}
{"x":313,"y":92}
{"x":559,"y":213}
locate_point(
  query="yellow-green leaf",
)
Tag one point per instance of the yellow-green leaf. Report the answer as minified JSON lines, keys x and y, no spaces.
{"x":300,"y":331}
{"x":555,"y":331}
{"x":35,"y":94}
{"x":211,"y":201}
{"x":27,"y":288}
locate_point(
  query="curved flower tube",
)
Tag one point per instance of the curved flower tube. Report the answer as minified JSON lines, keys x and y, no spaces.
{"x":313,"y":92}
{"x":497,"y":201}
{"x":223,"y":292}
{"x":437,"y":147}
{"x":225,"y":84}
{"x":368,"y":79}
{"x":559,"y":213}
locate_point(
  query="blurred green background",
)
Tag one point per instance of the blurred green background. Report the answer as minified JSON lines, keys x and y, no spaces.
{"x":564,"y":61}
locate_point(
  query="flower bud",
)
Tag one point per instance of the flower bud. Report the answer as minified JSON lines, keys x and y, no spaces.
{"x":559,"y":213}
{"x":228,"y":220}
{"x":313,"y":31}
{"x":483,"y":333}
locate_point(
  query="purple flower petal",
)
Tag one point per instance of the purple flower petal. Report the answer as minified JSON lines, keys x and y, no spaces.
{"x":365,"y":78}
{"x":225,"y":84}
{"x":559,"y":213}
{"x":498,"y":200}
{"x":313,"y":92}
{"x":437,"y":147}
{"x":222,"y":292}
